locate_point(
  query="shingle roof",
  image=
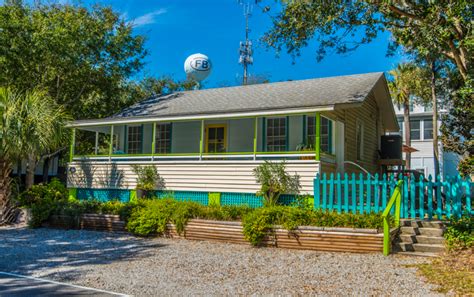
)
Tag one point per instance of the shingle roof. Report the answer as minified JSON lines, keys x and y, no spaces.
{"x":262,"y":97}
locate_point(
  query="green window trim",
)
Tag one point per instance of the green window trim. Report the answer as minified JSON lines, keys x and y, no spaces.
{"x":264,"y":134}
{"x":287,"y":132}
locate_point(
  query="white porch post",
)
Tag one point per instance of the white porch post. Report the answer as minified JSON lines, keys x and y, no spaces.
{"x":96,"y":147}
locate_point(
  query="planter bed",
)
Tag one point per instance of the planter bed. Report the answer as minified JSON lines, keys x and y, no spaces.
{"x":305,"y":237}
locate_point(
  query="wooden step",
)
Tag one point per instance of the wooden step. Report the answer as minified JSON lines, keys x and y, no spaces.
{"x":410,"y":238}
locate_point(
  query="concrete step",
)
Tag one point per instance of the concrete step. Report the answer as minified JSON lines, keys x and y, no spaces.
{"x":410,"y":238}
{"x":427,"y":224}
{"x":419,"y":247}
{"x":417,"y":254}
{"x":433,"y":232}
{"x":409,"y":230}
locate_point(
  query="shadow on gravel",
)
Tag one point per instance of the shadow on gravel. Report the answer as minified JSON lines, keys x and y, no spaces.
{"x":25,"y":251}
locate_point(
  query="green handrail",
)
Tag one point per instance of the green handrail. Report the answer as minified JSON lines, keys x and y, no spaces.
{"x":396,"y":200}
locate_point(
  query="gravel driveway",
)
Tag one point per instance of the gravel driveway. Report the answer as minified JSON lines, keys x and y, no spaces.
{"x":146,"y":267}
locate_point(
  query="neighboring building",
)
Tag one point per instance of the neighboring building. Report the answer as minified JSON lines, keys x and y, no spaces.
{"x":209,"y":141}
{"x":421,"y":124}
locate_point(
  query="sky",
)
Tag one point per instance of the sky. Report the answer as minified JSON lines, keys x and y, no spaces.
{"x":176,"y":29}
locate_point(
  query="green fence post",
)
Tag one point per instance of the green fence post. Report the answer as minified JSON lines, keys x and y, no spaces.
{"x":133,"y":195}
{"x":72,"y":194}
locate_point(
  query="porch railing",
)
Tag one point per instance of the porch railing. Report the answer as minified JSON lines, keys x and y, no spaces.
{"x":421,"y":198}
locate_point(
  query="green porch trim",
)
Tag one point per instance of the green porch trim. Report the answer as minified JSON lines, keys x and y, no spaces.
{"x":111,"y":147}
{"x":317,"y":147}
{"x":204,"y":154}
{"x":73,"y":144}
{"x":72,"y":194}
{"x":214,"y":199}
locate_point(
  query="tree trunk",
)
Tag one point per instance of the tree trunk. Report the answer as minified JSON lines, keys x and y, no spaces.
{"x":5,"y":182}
{"x":406,"y":121}
{"x":30,"y":171}
{"x":46,"y":164}
{"x":435,"y":120}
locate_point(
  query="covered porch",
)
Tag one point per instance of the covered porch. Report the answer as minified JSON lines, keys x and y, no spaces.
{"x":309,"y":136}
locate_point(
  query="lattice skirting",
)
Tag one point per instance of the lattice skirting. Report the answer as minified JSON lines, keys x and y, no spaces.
{"x":205,"y":198}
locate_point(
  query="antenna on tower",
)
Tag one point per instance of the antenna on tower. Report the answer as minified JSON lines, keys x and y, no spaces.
{"x":245,"y":49}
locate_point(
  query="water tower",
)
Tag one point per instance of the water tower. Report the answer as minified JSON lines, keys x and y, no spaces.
{"x":197,"y":67}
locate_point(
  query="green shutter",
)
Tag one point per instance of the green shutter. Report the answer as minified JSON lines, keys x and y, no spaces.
{"x":264,"y":134}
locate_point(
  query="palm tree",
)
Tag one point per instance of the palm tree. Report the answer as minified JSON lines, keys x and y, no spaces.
{"x":31,"y":122}
{"x":400,"y":88}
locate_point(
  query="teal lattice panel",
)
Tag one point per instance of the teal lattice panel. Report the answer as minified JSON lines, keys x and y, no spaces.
{"x":287,"y":199}
{"x":241,"y":199}
{"x":200,"y":197}
{"x":104,"y":195}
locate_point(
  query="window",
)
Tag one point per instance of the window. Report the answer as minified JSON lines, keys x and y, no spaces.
{"x":134,"y":140}
{"x":415,"y":129}
{"x":428,"y":129}
{"x":359,"y":139}
{"x":163,"y":138}
{"x":276,"y":134}
{"x":325,"y":135}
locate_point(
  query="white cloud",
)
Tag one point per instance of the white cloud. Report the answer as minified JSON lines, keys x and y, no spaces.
{"x":148,"y":18}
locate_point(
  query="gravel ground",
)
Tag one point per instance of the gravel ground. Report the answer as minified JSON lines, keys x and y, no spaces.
{"x":146,"y":267}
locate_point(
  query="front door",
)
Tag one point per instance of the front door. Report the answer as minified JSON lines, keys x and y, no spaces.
{"x":216,"y":139}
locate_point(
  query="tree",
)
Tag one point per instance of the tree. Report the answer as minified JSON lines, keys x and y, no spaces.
{"x":441,"y":27}
{"x":458,"y":124}
{"x":31,"y":122}
{"x":82,"y":57}
{"x":275,"y":181}
{"x":404,"y":85}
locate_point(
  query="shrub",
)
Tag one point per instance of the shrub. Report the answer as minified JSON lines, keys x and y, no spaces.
{"x":53,"y":191}
{"x":274,"y":181}
{"x":257,"y":223}
{"x":148,"y":179}
{"x":460,"y":232}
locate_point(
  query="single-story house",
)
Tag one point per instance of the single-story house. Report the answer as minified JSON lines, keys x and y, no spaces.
{"x":209,"y":141}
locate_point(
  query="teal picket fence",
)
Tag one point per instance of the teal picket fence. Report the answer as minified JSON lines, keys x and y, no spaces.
{"x":421,"y":198}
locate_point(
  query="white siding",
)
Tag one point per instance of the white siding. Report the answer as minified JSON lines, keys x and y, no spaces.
{"x":205,"y":176}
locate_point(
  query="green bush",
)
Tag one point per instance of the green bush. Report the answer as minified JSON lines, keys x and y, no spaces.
{"x":460,"y":232}
{"x":275,"y":181}
{"x":148,"y":180}
{"x":152,"y":216}
{"x":257,"y":223}
{"x":53,"y":191}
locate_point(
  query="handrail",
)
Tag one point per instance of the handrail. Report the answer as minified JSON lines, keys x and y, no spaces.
{"x":396,"y":199}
